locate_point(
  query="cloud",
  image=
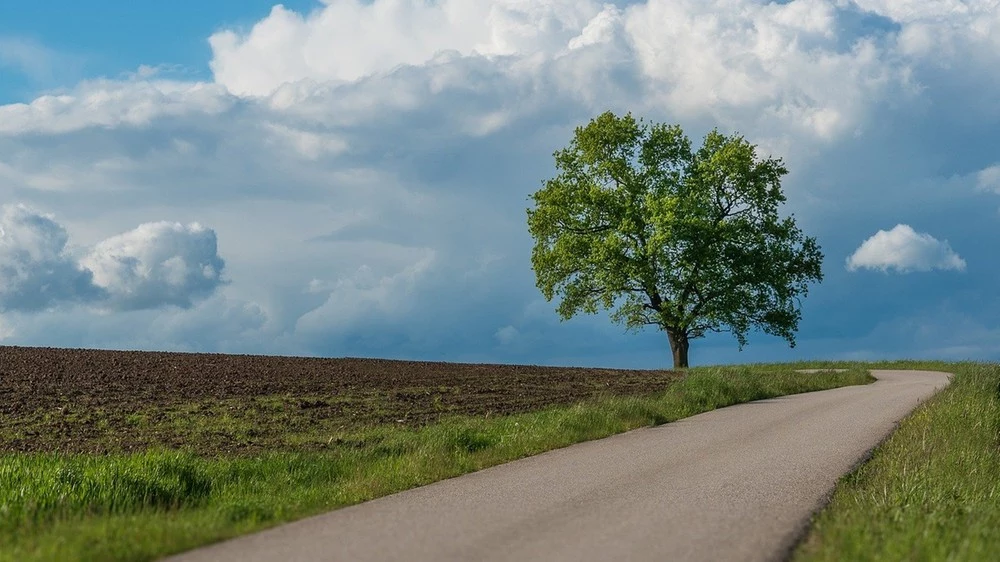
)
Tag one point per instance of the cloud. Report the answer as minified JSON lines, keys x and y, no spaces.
{"x":27,"y":55}
{"x":506,"y":335}
{"x":220,"y":324}
{"x":946,"y":26}
{"x":363,"y":301}
{"x":904,"y":250}
{"x":366,"y":165}
{"x":40,"y":63}
{"x":29,"y":65}
{"x":988,"y":179}
{"x":347,"y":40}
{"x":154,"y":265}
{"x":107,"y":103}
{"x":36,"y":270}
{"x":794,"y":68}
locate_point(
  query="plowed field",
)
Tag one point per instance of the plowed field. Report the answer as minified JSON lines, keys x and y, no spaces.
{"x":75,"y":400}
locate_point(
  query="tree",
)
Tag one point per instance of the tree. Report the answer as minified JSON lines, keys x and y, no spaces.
{"x":688,"y":241}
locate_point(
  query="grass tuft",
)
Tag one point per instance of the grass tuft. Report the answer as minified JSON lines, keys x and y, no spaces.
{"x":40,"y":488}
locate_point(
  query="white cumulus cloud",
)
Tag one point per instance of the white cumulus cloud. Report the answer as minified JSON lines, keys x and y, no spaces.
{"x":904,"y":250}
{"x":792,"y":65}
{"x":157,"y":264}
{"x":107,"y":103}
{"x":347,"y":39}
{"x":154,"y":265}
{"x":36,"y":271}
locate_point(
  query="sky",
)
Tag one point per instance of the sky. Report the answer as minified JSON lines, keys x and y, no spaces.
{"x":347,"y":178}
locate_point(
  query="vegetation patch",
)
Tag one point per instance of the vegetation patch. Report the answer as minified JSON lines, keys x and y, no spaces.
{"x":151,"y":503}
{"x":929,"y":492}
{"x":98,"y":401}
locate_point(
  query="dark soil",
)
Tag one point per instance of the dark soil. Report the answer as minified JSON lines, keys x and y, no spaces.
{"x":78,"y":400}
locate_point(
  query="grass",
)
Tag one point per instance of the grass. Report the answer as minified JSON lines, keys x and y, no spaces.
{"x":932,"y":490}
{"x":145,"y":505}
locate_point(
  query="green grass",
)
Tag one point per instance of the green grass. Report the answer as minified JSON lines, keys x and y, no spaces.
{"x":932,"y":490}
{"x":149,"y":504}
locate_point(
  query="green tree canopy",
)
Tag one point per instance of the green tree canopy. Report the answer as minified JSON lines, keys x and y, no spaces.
{"x":689,"y":241}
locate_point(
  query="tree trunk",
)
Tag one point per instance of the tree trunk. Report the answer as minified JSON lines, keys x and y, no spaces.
{"x":679,"y":346}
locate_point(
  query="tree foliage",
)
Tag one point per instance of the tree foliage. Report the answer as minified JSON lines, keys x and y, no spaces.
{"x":690,"y":241}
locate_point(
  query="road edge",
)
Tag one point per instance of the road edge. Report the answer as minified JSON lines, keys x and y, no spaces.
{"x":806,"y":525}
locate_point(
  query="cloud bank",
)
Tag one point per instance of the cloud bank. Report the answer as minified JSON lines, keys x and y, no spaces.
{"x":795,"y":67}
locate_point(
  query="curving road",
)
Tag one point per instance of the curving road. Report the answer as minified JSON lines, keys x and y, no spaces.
{"x":738,"y":483}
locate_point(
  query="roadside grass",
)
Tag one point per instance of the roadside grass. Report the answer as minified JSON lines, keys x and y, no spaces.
{"x":932,"y":490}
{"x":145,"y":505}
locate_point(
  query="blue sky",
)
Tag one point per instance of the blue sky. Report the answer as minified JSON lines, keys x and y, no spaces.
{"x":350,"y":178}
{"x":63,"y":41}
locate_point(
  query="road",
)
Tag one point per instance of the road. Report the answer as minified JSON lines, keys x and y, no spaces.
{"x":738,"y":483}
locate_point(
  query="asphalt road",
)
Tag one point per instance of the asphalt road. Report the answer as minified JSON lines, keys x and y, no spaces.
{"x":738,"y":483}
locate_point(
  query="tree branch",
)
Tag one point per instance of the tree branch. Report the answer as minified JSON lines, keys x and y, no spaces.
{"x":590,"y":230}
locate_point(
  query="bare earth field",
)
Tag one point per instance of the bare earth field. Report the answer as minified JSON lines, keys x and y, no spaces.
{"x":93,"y":401}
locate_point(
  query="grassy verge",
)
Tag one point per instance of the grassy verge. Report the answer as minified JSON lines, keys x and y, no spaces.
{"x":144,"y":505}
{"x":929,"y":492}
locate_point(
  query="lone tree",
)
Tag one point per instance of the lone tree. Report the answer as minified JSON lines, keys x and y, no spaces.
{"x":690,"y":242}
